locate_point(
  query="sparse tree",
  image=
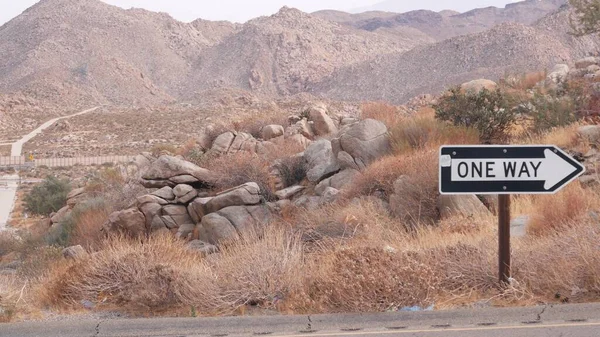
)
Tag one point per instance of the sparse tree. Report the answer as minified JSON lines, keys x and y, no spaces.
{"x":585,"y":19}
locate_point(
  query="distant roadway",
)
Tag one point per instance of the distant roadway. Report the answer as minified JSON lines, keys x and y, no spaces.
{"x":541,"y":321}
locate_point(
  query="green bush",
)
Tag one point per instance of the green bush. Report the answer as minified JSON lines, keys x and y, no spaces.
{"x":549,"y":112}
{"x":47,"y":197}
{"x":489,"y":112}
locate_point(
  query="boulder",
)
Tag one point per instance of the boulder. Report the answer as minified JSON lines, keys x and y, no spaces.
{"x":184,"y":193}
{"x":300,"y":140}
{"x":240,"y":217}
{"x":76,"y":196}
{"x":338,"y":181}
{"x":215,"y":228}
{"x":151,"y":199}
{"x":158,"y":183}
{"x":462,"y":205}
{"x":74,"y":252}
{"x":222,"y":143}
{"x":323,"y":124}
{"x":202,"y":247}
{"x":289,"y":192}
{"x":475,"y":86}
{"x":346,"y":161}
{"x":185,"y":231}
{"x":203,"y":141}
{"x":141,"y":161}
{"x":558,"y":74}
{"x":243,"y":142}
{"x":150,"y":211}
{"x":271,"y":131}
{"x":61,"y":215}
{"x":247,"y":194}
{"x":182,"y":190}
{"x":591,"y":133}
{"x":183,"y":179}
{"x":320,"y":160}
{"x":329,"y":196}
{"x":197,"y":209}
{"x":175,"y":215}
{"x":586,"y":62}
{"x":168,"y":167}
{"x":130,"y":222}
{"x":165,"y":193}
{"x":308,"y":202}
{"x":365,"y":142}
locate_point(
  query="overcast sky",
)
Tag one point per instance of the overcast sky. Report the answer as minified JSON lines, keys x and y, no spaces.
{"x":242,"y":10}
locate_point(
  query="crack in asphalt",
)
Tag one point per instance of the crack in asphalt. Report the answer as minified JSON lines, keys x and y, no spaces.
{"x":97,"y":329}
{"x":539,"y":315}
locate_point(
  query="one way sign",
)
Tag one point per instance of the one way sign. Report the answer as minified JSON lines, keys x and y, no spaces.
{"x":506,"y":169}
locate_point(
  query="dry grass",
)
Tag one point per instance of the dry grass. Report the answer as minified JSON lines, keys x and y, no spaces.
{"x":388,"y":114}
{"x":417,"y":203}
{"x":418,"y":133}
{"x":161,"y":274}
{"x":526,"y":81}
{"x":148,"y":276}
{"x":553,"y":212}
{"x":566,"y":263}
{"x":243,"y":167}
{"x":13,"y":297}
{"x":88,"y":219}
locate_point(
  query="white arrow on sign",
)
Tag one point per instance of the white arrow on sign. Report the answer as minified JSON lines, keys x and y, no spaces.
{"x":551,"y":169}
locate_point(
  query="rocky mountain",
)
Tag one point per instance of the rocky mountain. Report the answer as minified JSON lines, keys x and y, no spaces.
{"x":506,"y":49}
{"x":282,"y":53}
{"x":448,"y":24}
{"x":86,"y":50}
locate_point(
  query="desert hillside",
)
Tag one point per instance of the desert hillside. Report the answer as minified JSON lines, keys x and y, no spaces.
{"x":446,"y":24}
{"x":84,"y":52}
{"x":505,"y":49}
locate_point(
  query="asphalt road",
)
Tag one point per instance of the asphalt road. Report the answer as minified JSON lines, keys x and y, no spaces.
{"x":17,"y":147}
{"x":547,"y":321}
{"x":8,"y":192}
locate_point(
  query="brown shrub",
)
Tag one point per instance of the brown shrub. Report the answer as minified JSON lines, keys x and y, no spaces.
{"x":292,"y":170}
{"x":386,"y":113}
{"x":148,"y":276}
{"x":553,"y":212}
{"x":243,"y":167}
{"x":566,"y":263}
{"x":161,"y":274}
{"x":260,"y":269}
{"x":422,"y":132}
{"x":88,"y":219}
{"x":367,"y":279}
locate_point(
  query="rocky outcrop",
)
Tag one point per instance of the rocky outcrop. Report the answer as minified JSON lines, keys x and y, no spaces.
{"x":232,"y":222}
{"x":271,"y":131}
{"x":475,"y":86}
{"x":320,"y":160}
{"x":559,"y":74}
{"x":188,"y":214}
{"x":171,"y":171}
{"x":460,"y":205}
{"x":322,"y":124}
{"x":290,"y":192}
{"x":247,"y":194}
{"x":338,"y":181}
{"x":130,"y":222}
{"x":590,"y":133}
{"x":74,"y":252}
{"x":361,"y":144}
